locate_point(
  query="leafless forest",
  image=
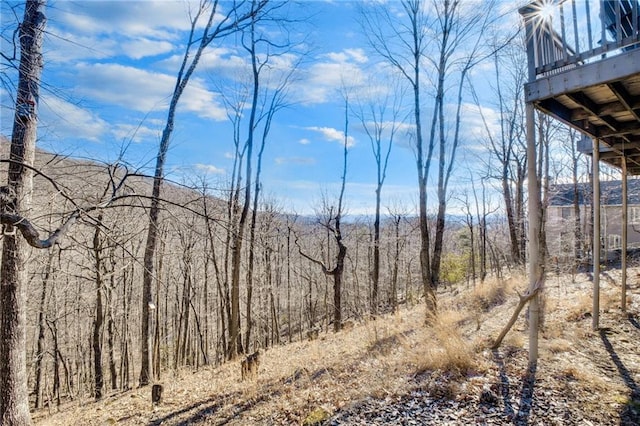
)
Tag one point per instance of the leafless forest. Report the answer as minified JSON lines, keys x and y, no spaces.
{"x":114,"y":278}
{"x":84,"y":294}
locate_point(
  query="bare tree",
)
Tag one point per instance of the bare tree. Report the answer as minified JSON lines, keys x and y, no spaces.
{"x":460,"y":31}
{"x":403,"y":39}
{"x":268,"y":97}
{"x":40,"y":351}
{"x":218,"y":25}
{"x":396,"y":213}
{"x":409,"y":30}
{"x":16,"y":199}
{"x":578,"y":247}
{"x":333,"y":224}
{"x":508,"y":147}
{"x":379,"y":117}
{"x":97,"y":249}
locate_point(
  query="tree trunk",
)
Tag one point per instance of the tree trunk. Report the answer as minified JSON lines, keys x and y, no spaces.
{"x":511,"y":220}
{"x":41,"y":332}
{"x":376,"y":256}
{"x":337,"y":286}
{"x":396,"y":262}
{"x":53,"y":328}
{"x":14,"y":394}
{"x":97,"y":324}
{"x":113,"y":374}
{"x":188,"y":65}
{"x":236,"y":253}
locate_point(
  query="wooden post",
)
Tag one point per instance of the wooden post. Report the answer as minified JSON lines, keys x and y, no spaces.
{"x":623,"y":245}
{"x":596,"y":234}
{"x":534,"y":269}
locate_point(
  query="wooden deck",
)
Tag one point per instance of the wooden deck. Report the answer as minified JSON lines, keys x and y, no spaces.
{"x":584,"y":62}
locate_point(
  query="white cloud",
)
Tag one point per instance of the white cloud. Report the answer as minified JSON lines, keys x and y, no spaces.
{"x":211,"y":169}
{"x":144,"y":47}
{"x":65,"y":119}
{"x":304,"y":141}
{"x":360,"y":199}
{"x":104,"y":29}
{"x":333,"y":135}
{"x":68,"y":47}
{"x":135,"y":132}
{"x":324,"y":79}
{"x":144,"y":91}
{"x":225,"y":61}
{"x":356,"y":55}
{"x":473,"y":126}
{"x":159,"y":19}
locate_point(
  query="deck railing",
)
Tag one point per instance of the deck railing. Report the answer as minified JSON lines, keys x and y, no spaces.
{"x":566,"y":33}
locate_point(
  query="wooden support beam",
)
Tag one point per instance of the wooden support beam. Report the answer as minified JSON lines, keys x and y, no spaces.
{"x":563,"y":113}
{"x":618,"y":157}
{"x":587,"y":104}
{"x":535,"y":267}
{"x":623,"y":248}
{"x":553,"y":107}
{"x":595,"y":314}
{"x":624,"y":130}
{"x":625,"y":98}
{"x":624,"y":146}
{"x":609,"y":108}
{"x":604,"y":156}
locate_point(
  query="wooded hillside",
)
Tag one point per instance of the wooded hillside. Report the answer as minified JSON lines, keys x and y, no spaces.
{"x":84,"y":294}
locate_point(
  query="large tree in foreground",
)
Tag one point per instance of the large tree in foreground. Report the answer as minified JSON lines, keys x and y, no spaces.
{"x":460,"y":39}
{"x":16,"y":199}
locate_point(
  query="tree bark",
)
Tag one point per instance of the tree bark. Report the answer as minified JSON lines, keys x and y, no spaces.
{"x":14,"y":394}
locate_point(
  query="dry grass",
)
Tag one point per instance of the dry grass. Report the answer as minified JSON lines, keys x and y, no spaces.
{"x":445,"y":349}
{"x":581,"y":306}
{"x":379,"y":359}
{"x":556,"y":346}
{"x":376,"y":359}
{"x":489,"y":294}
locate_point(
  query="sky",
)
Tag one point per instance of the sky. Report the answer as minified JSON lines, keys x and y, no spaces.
{"x":110,"y":68}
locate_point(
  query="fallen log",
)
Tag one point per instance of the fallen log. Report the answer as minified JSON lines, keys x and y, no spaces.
{"x":524,"y":298}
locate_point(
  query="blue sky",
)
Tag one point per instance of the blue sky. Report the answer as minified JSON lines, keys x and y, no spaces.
{"x":110,"y":68}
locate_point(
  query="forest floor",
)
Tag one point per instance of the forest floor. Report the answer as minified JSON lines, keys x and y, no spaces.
{"x":395,"y":370}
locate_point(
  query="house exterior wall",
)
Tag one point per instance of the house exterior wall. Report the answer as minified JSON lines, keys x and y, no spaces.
{"x":560,"y":231}
{"x":561,"y":235}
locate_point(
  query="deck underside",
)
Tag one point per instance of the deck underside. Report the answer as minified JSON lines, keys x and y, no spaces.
{"x":601,"y":99}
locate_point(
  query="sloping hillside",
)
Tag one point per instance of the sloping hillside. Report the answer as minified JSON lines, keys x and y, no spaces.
{"x":394,"y":370}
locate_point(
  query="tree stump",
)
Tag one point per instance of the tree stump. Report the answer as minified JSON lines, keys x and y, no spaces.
{"x":156,"y":394}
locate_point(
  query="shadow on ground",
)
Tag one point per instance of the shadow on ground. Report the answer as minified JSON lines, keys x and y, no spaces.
{"x":526,"y":392}
{"x":218,"y":410}
{"x":630,"y":414}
